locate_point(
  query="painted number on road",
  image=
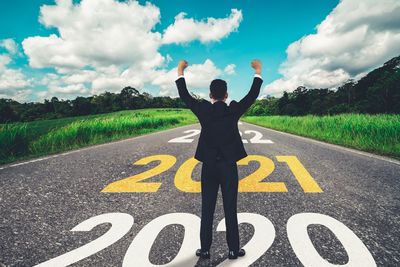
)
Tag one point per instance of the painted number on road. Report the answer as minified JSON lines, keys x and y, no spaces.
{"x":134,"y":184}
{"x":256,"y":139}
{"x":262,"y":239}
{"x":121,"y":223}
{"x":185,"y":138}
{"x":184,"y":182}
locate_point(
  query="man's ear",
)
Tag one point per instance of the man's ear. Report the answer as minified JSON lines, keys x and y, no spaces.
{"x":210,"y":95}
{"x":226,"y":95}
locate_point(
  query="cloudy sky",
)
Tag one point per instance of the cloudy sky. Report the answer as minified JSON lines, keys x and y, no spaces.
{"x":67,"y":48}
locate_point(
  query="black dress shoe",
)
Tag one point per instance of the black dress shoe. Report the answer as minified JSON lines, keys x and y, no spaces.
{"x":234,"y":255}
{"x":203,"y":254}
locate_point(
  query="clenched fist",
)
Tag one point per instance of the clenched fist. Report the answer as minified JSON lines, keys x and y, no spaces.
{"x":256,"y":65}
{"x":182,"y":65}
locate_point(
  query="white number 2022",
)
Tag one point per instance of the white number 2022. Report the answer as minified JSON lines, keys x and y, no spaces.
{"x":263,"y":237}
{"x":256,"y":139}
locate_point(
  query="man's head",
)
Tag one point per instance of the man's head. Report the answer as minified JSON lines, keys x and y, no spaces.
{"x":218,"y":90}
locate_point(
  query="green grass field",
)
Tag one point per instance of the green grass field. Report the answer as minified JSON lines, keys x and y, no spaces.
{"x":378,"y":134}
{"x":38,"y":138}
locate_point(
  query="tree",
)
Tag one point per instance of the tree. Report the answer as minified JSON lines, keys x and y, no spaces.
{"x":377,"y":92}
{"x":127,"y":96}
{"x":81,"y":106}
{"x":7,"y":114}
{"x":283,"y":102}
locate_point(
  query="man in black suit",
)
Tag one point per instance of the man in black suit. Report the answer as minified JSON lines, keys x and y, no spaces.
{"x":220,"y":146}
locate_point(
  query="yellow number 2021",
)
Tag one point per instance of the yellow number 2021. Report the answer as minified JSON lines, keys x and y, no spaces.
{"x":184,"y":182}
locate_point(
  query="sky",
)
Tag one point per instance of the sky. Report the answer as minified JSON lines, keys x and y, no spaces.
{"x":68,"y":48}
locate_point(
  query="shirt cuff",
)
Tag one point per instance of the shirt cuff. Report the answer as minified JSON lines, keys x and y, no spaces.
{"x":258,"y":75}
{"x":180,"y":76}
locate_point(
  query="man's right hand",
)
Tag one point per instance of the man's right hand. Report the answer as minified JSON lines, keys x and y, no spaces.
{"x":256,"y":65}
{"x":182,"y":65}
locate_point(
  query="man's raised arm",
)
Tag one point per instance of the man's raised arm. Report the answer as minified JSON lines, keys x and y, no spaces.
{"x":252,"y":95}
{"x":184,"y":94}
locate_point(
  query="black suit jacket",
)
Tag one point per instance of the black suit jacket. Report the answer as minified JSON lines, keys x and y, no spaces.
{"x":219,"y":123}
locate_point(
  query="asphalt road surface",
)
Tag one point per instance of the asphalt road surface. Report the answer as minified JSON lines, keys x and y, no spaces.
{"x":136,"y":202}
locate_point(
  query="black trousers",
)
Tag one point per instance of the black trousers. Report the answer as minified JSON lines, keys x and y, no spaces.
{"x":224,"y":174}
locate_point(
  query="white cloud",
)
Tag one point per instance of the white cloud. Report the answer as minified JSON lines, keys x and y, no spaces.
{"x":230,"y":69}
{"x":197,"y":76}
{"x":10,"y":45}
{"x":96,"y":33}
{"x":112,"y":83}
{"x":107,"y":44}
{"x":13,"y":83}
{"x":22,"y":96}
{"x":64,"y":86}
{"x":79,"y":77}
{"x":184,"y":30}
{"x":354,"y":38}
{"x":69,"y":89}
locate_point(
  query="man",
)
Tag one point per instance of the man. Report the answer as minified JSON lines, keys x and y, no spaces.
{"x":220,"y":146}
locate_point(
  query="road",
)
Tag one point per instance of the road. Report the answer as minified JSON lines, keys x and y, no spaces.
{"x":136,"y":202}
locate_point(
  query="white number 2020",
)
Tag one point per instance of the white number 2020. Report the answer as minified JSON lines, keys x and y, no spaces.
{"x":263,"y":237}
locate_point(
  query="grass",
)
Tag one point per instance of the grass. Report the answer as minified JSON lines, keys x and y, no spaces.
{"x":32,"y":139}
{"x":378,"y":134}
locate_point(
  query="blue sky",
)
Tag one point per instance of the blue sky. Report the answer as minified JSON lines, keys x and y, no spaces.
{"x":265,"y":31}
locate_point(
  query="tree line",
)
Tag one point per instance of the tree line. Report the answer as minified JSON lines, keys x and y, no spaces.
{"x":129,"y":98}
{"x":377,"y":92}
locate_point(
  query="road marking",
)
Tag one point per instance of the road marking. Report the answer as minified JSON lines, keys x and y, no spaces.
{"x":253,"y":182}
{"x":121,"y":223}
{"x":92,"y":147}
{"x":262,"y":239}
{"x":183,"y":177}
{"x":256,"y":139}
{"x":304,"y":178}
{"x":185,"y":138}
{"x":337,"y":147}
{"x":304,"y":248}
{"x":139,"y":249}
{"x":133,"y":184}
{"x":184,"y":182}
{"x":30,"y":161}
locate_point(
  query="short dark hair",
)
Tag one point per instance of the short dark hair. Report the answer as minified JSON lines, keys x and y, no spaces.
{"x":218,"y":89}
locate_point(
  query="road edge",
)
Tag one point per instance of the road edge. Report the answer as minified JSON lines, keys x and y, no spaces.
{"x":17,"y":163}
{"x":334,"y":146}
